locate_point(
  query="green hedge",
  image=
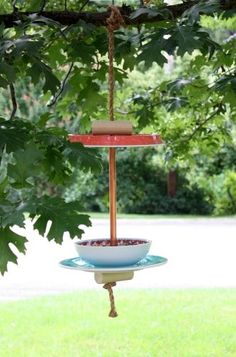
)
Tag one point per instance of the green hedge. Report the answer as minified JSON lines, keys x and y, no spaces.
{"x":142,"y":187}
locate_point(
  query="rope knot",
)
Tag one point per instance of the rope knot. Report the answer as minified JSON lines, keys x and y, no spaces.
{"x":115,"y":20}
{"x":109,"y":287}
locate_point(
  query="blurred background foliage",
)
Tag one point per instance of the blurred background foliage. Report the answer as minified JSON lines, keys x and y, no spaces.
{"x":142,"y":187}
{"x":207,"y":188}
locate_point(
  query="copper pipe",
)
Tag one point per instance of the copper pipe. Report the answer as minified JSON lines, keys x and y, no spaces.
{"x":112,"y":195}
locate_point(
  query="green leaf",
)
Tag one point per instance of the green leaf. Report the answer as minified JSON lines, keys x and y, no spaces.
{"x":65,"y":217}
{"x":14,"y":134}
{"x":27,"y":44}
{"x":34,"y":72}
{"x":35,"y":5}
{"x":148,"y":13}
{"x":203,"y":7}
{"x":55,"y":54}
{"x":3,"y":82}
{"x":90,"y":96}
{"x":186,"y":39}
{"x":178,"y":84}
{"x":43,"y":119}
{"x":11,"y":214}
{"x":81,"y":51}
{"x":225,"y":81}
{"x":145,"y":116}
{"x":125,"y":53}
{"x":51,"y":81}
{"x":3,"y":187}
{"x":8,"y":71}
{"x":26,"y":165}
{"x":7,"y":255}
{"x":59,"y":172}
{"x":88,"y":159}
{"x":52,"y":136}
{"x":151,"y":52}
{"x":229,"y":97}
{"x":175,"y":103}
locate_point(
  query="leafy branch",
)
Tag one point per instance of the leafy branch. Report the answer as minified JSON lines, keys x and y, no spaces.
{"x":143,"y":15}
{"x":201,"y":125}
{"x":213,"y":83}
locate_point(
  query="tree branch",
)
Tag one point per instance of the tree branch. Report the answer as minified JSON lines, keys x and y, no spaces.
{"x":217,"y":111}
{"x":100,"y":18}
{"x":62,"y":87}
{"x":13,"y":100}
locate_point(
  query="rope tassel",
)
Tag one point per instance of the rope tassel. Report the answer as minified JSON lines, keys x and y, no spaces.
{"x":109,"y":287}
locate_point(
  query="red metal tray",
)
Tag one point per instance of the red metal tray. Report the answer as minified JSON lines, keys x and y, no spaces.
{"x":116,"y":140}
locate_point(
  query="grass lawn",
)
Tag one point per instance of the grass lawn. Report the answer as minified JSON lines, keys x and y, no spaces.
{"x":168,"y":323}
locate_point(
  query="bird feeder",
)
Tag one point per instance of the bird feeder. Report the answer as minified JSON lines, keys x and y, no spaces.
{"x":113,"y":259}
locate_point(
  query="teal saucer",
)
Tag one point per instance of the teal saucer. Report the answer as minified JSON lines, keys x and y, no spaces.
{"x":149,"y":261}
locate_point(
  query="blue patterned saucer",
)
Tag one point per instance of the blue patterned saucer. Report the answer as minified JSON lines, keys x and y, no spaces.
{"x":149,"y":261}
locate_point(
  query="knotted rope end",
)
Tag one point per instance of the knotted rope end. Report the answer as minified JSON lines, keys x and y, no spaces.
{"x":109,"y":287}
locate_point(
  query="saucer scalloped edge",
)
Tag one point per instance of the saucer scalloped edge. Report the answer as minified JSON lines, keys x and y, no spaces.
{"x":77,"y":263}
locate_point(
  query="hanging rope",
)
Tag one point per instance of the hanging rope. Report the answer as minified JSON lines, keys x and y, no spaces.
{"x":114,"y":22}
{"x":109,"y":287}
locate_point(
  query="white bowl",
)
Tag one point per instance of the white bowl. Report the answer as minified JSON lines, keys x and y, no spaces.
{"x":113,"y":256}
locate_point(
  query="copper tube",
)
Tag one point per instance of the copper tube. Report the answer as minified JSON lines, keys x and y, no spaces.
{"x":112,"y":195}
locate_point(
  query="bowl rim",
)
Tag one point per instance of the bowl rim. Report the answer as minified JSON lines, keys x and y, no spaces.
{"x":79,"y":243}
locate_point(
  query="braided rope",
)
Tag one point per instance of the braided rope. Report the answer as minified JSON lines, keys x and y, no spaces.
{"x":114,"y":22}
{"x":109,"y":286}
